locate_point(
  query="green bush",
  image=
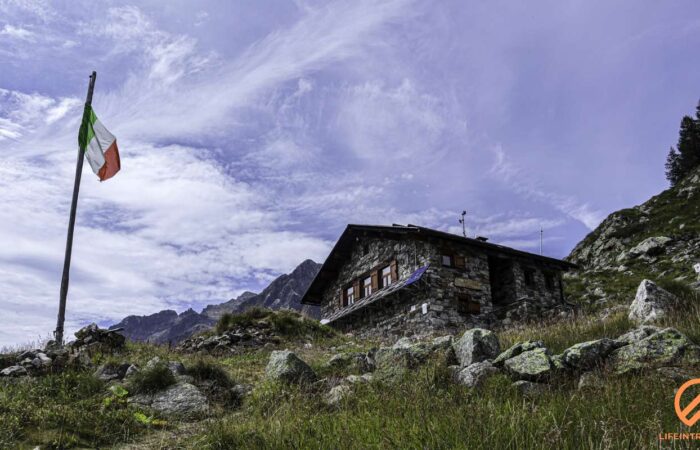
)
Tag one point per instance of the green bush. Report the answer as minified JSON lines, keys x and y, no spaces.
{"x":152,"y":379}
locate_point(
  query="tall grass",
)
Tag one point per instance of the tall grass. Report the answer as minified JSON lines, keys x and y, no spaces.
{"x":423,"y":412}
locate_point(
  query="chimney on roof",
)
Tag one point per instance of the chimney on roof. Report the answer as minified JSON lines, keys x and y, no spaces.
{"x":482,"y":238}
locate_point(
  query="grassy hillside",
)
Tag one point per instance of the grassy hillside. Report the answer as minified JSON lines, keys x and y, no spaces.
{"x":425,"y":410}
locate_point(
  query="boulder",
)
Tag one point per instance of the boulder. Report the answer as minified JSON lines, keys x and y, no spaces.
{"x":678,"y":375}
{"x":392,"y":364}
{"x":530,"y":389}
{"x":338,"y":394}
{"x":666,"y":348}
{"x":651,"y":303}
{"x":177,"y":368}
{"x":637,"y":334}
{"x":14,"y":371}
{"x":650,"y":247}
{"x":178,"y":400}
{"x":590,"y":381}
{"x":131,"y":371}
{"x":354,"y":379}
{"x":353,"y":362}
{"x":110,"y":372}
{"x":532,"y":365}
{"x":476,"y":345}
{"x":475,"y":374}
{"x":285,"y":366}
{"x":586,"y":355}
{"x":515,"y":350}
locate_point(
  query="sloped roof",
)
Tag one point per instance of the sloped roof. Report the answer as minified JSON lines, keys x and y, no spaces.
{"x":378,"y":295}
{"x":341,"y":251}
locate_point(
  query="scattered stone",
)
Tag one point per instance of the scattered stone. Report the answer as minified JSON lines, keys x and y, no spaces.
{"x":14,"y":371}
{"x":668,"y":347}
{"x":353,"y":362}
{"x":531,"y":365}
{"x":93,"y":339}
{"x":590,"y":381}
{"x":338,"y":394}
{"x":392,"y":364}
{"x":677,"y":374}
{"x":364,"y":378}
{"x":651,"y":303}
{"x":177,"y":368}
{"x":178,"y":400}
{"x":586,"y":355}
{"x":110,"y":372}
{"x":131,"y":371}
{"x":476,"y":345}
{"x":515,"y":350}
{"x":475,"y":374}
{"x":637,"y":334}
{"x":530,"y":389}
{"x":285,"y":366}
{"x":650,"y":247}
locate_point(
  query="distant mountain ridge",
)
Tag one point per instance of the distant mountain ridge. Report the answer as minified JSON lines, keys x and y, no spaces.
{"x":168,"y":326}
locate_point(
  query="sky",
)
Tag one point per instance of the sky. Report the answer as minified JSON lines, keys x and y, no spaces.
{"x":252,"y":132}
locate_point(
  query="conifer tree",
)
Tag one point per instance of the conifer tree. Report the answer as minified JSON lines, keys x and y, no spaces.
{"x":686,"y":156}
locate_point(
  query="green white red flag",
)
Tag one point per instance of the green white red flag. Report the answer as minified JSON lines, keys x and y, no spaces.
{"x":99,"y":145}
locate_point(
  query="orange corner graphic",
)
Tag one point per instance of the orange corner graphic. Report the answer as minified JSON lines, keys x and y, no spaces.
{"x":686,"y":414}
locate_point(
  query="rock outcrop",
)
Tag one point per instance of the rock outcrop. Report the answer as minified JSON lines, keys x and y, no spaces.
{"x":651,"y":303}
{"x":476,"y":345}
{"x":287,"y":367}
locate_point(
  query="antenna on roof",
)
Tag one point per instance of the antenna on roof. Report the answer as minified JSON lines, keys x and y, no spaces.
{"x":464,"y":227}
{"x":541,"y":233}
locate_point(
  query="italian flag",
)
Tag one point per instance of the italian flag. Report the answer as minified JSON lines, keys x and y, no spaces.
{"x":99,"y":145}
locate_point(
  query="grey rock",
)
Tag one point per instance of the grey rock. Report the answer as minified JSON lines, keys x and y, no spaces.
{"x":637,"y":334}
{"x":515,"y":350}
{"x":392,"y":364}
{"x":530,"y":389}
{"x":650,"y":246}
{"x":110,"y":372}
{"x":651,"y":303}
{"x":590,"y":381}
{"x":285,"y":366}
{"x":476,"y":345}
{"x":338,"y":394}
{"x":178,"y":400}
{"x":668,"y":347}
{"x":678,"y":375}
{"x":177,"y":368}
{"x":475,"y":374}
{"x":586,"y":355}
{"x":14,"y":371}
{"x":532,"y":365}
{"x":131,"y":371}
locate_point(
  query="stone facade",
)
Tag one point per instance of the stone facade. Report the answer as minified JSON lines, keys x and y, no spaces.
{"x":465,"y":283}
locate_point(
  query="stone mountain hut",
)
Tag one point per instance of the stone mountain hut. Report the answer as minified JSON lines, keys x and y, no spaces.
{"x":397,"y":278}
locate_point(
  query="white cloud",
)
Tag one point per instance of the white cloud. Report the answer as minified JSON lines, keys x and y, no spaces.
{"x":17,"y":32}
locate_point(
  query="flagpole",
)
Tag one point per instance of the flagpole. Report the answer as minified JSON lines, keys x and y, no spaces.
{"x":58,"y":334}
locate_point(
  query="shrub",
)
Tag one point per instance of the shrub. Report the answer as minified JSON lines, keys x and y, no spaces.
{"x":152,"y":379}
{"x":204,"y":371}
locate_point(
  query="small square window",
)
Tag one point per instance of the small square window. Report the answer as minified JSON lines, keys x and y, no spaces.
{"x":447,"y":260}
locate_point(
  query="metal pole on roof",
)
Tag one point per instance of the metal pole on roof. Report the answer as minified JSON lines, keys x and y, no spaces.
{"x":464,"y":226}
{"x":541,"y":234}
